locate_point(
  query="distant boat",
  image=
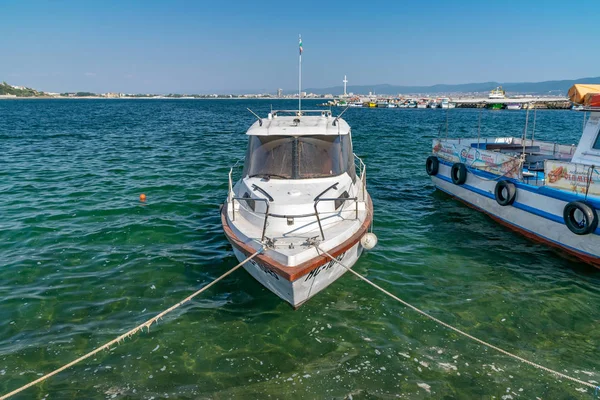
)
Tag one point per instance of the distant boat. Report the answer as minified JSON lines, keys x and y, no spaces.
{"x":392,"y":105}
{"x":432,"y":104}
{"x":372,"y":104}
{"x":382,"y":104}
{"x":578,"y":107}
{"x":412,"y":104}
{"x":514,"y":106}
{"x":451,"y":105}
{"x":495,"y":106}
{"x":497,"y":93}
{"x":421,"y":105}
{"x":445,"y":102}
{"x":356,"y":104}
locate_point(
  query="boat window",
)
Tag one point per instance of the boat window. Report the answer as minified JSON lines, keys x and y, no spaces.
{"x":302,"y":157}
{"x":597,"y":142}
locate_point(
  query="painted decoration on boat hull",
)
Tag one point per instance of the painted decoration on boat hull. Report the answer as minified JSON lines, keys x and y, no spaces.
{"x":302,"y":289}
{"x":576,"y":178}
{"x":490,"y":161}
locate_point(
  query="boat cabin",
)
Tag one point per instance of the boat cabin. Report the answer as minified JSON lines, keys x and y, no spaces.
{"x":299,"y":147}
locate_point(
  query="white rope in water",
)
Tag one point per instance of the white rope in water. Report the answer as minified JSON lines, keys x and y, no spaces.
{"x":560,"y":374}
{"x":129,"y":333}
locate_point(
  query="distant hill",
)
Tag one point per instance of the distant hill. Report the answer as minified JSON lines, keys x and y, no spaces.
{"x":546,"y":87}
{"x":6,"y":89}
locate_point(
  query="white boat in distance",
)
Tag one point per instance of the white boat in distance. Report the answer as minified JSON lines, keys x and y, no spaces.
{"x":546,"y":191}
{"x":445,"y":102}
{"x":301,"y":187}
{"x":514,"y":106}
{"x":497,"y":93}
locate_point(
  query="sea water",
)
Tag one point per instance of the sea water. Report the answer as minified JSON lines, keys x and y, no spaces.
{"x":82,"y":260}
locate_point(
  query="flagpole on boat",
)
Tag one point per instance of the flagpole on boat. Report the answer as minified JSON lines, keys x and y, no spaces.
{"x":300,"y":75}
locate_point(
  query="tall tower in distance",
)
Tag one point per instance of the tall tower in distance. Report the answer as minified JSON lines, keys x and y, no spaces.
{"x":345,"y":82}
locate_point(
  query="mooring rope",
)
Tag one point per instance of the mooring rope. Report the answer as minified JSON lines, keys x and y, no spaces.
{"x":130,"y":333}
{"x":560,"y":374}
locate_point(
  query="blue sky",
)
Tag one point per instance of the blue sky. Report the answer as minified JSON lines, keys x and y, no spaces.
{"x":219,"y":46}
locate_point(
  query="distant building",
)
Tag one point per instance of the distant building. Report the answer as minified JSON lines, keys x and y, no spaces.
{"x":112,"y":95}
{"x":280,"y":93}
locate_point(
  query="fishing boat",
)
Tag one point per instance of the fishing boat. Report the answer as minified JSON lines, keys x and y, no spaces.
{"x":302,"y":191}
{"x":513,"y":106}
{"x":546,"y":191}
{"x":432,"y":104}
{"x":422,"y":105}
{"x":497,"y":93}
{"x":445,"y":102}
{"x":382,"y":104}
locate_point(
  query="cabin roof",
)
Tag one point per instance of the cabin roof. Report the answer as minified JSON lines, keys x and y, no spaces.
{"x":294,"y":125}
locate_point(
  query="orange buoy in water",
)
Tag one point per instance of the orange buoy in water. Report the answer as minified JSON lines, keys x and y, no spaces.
{"x":142,"y":197}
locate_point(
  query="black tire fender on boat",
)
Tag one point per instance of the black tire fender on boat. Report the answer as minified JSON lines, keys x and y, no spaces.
{"x":432,"y":165}
{"x":505,"y":193}
{"x":584,"y":226}
{"x":458,"y":173}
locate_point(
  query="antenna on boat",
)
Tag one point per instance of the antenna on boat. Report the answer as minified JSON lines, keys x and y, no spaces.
{"x":534,"y":119}
{"x":478,"y":129}
{"x":256,"y":115}
{"x":525,"y":132}
{"x":300,"y":75}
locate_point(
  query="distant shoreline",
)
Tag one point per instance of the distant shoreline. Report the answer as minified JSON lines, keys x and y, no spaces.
{"x":153,"y":98}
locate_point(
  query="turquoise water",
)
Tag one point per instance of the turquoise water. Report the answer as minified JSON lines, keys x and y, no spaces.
{"x":82,"y":261}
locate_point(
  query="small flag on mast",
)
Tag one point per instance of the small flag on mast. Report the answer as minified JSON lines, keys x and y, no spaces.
{"x":300,"y":43}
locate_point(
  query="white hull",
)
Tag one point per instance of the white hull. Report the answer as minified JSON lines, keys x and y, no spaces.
{"x":302,"y":289}
{"x":533,"y":213}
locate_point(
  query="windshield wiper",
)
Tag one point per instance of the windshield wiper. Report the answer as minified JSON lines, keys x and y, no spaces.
{"x":268,"y":176}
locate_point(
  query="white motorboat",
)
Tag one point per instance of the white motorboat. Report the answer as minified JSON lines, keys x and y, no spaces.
{"x":302,"y":191}
{"x":546,"y":191}
{"x":514,"y":106}
{"x":445,"y":102}
{"x":432,"y":104}
{"x":497,"y":93}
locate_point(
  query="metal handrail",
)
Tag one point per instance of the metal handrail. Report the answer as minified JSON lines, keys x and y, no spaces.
{"x":262,"y":237}
{"x":332,"y":199}
{"x":362,"y":176}
{"x":362,"y":171}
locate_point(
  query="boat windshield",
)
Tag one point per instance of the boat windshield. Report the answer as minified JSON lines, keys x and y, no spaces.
{"x":302,"y":157}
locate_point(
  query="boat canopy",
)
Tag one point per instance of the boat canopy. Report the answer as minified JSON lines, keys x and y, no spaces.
{"x":300,"y":157}
{"x":299,"y":125}
{"x":583,"y":94}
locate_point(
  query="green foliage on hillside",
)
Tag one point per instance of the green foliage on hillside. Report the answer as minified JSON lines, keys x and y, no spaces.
{"x":5,"y":89}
